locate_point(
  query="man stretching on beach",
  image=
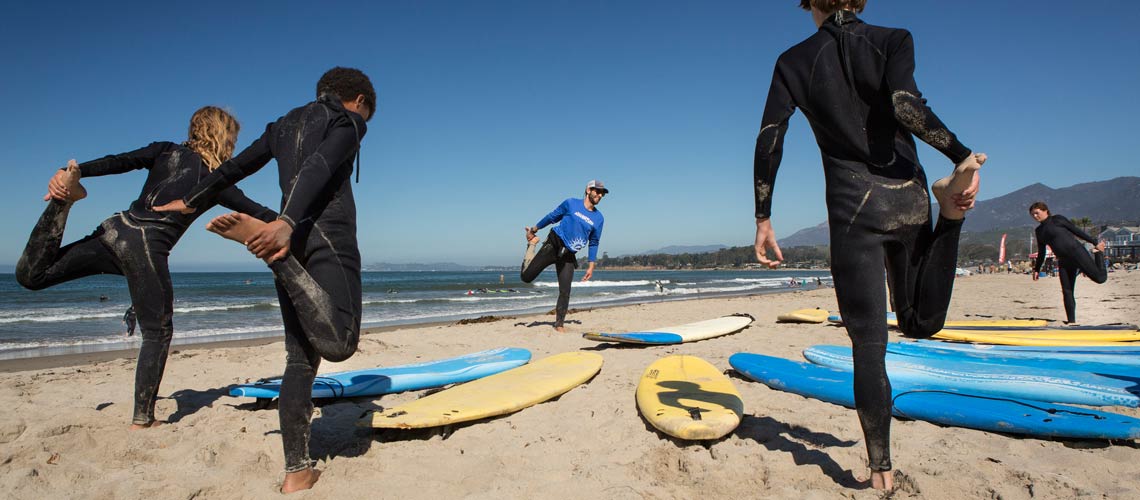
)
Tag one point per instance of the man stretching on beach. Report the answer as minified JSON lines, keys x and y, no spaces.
{"x":311,"y":248}
{"x":855,"y":84}
{"x":579,"y":224}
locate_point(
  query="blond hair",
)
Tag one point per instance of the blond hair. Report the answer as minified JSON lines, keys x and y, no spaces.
{"x":213,"y":134}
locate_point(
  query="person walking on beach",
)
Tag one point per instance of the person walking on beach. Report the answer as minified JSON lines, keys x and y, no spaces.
{"x":855,"y":84}
{"x":1061,"y":235}
{"x":579,"y":225}
{"x":137,"y":242}
{"x":311,"y":248}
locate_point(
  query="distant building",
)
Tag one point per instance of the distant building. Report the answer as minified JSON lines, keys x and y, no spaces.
{"x":1121,"y":242}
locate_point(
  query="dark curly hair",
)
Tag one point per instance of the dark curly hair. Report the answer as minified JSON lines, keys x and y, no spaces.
{"x":346,"y":84}
{"x":856,"y":6}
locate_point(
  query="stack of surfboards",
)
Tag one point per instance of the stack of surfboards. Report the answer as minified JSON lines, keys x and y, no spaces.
{"x":393,"y":379}
{"x":1022,"y":390}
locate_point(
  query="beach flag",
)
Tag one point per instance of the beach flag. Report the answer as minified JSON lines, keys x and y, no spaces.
{"x":1001,"y":255}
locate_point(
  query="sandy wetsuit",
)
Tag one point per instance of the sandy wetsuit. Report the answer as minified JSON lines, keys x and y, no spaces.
{"x":135,"y":244}
{"x":855,"y":84}
{"x":1058,"y":232}
{"x":318,"y":284}
{"x":576,"y":224}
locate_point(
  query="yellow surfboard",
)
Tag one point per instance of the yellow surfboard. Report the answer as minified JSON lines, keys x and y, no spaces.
{"x":1001,"y":339}
{"x":688,"y":398}
{"x":498,"y":394}
{"x":1095,"y":335}
{"x":975,"y":323}
{"x":804,"y":316}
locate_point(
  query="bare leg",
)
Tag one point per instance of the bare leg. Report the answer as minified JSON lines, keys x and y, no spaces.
{"x":965,"y":177}
{"x":300,"y":480}
{"x":235,"y":226}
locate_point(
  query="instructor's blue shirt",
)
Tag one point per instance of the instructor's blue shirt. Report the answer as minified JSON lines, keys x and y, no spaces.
{"x":577,"y":226}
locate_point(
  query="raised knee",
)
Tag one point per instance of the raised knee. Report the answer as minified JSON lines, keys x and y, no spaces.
{"x":338,"y":355}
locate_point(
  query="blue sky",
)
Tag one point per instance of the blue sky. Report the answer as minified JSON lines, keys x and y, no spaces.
{"x":492,"y":112}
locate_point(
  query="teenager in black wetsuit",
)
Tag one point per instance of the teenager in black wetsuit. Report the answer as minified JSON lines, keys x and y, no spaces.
{"x":136,"y":243}
{"x":1061,"y":235}
{"x":855,"y":84}
{"x":311,"y":248}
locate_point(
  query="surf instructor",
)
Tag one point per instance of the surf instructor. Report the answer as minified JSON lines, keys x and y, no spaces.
{"x":579,"y":225}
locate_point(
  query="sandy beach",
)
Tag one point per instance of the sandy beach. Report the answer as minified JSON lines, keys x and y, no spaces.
{"x":64,"y":434}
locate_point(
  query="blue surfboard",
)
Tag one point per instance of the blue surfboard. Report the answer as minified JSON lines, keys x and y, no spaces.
{"x":1103,"y":364}
{"x":387,"y":380}
{"x":941,"y":406}
{"x":986,"y":379}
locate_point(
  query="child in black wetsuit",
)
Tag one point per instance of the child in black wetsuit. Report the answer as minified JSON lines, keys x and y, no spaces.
{"x":136,"y":243}
{"x":311,"y":248}
{"x":1061,"y":235}
{"x":855,"y":84}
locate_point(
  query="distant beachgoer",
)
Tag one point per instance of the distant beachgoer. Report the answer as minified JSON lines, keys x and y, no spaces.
{"x":129,"y":320}
{"x":311,"y":248}
{"x":855,"y":84}
{"x":502,"y":279}
{"x":104,"y":298}
{"x":1061,"y":235}
{"x":579,"y":225}
{"x":135,"y":243}
{"x":658,"y":286}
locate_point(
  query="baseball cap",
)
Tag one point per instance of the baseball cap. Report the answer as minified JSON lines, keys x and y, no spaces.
{"x":596,"y":184}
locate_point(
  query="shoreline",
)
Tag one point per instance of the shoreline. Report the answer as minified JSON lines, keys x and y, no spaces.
{"x":12,"y":361}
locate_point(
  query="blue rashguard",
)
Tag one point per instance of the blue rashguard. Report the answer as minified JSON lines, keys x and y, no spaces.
{"x":576,"y":226}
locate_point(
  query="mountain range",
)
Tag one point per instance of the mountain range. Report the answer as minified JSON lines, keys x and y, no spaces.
{"x":1114,"y":201}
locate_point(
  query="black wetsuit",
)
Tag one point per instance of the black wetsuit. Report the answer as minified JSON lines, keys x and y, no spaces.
{"x":855,"y":84}
{"x":1061,"y":235}
{"x":318,"y":284}
{"x":552,"y":251}
{"x":135,"y":244}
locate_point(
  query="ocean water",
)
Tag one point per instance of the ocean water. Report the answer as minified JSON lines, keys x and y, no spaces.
{"x":87,"y":315}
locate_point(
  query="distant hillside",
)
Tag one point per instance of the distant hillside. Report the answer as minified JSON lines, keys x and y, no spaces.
{"x":817,"y":235}
{"x":1105,"y":202}
{"x":680,"y":249}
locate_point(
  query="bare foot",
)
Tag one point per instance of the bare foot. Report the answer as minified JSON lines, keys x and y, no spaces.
{"x":882,"y":480}
{"x":139,"y":427}
{"x":531,"y":237}
{"x":955,"y":193}
{"x":75,"y":190}
{"x":235,"y":226}
{"x":560,"y":329}
{"x":1100,"y":246}
{"x":300,"y":480}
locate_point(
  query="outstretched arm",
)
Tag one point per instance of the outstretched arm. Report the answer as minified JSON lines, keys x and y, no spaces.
{"x":144,"y":157}
{"x":234,"y":199}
